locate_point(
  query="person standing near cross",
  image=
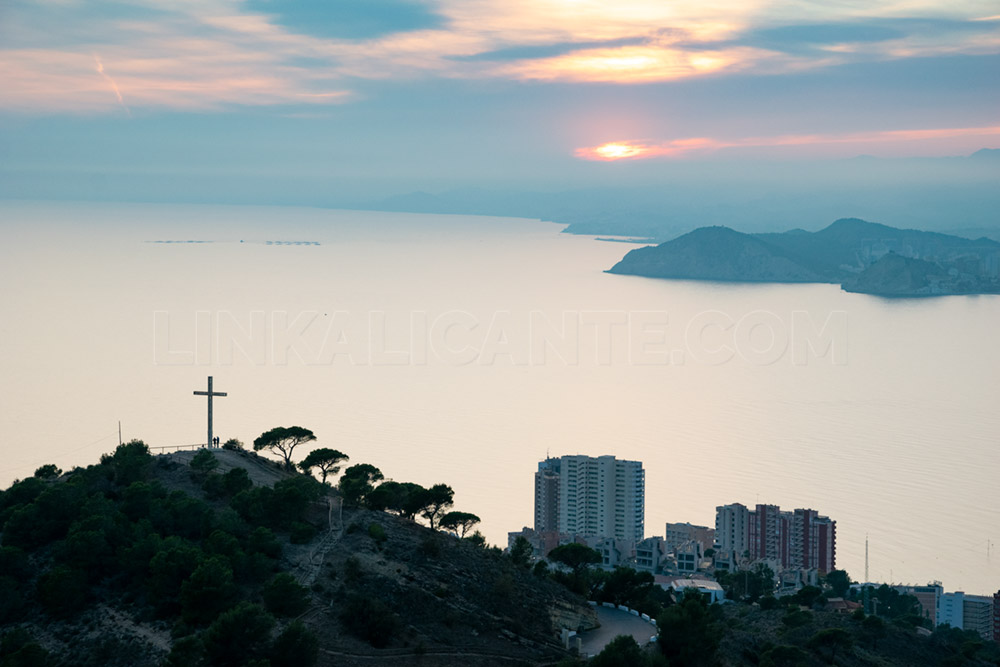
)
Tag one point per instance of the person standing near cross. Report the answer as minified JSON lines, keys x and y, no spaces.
{"x":210,"y":394}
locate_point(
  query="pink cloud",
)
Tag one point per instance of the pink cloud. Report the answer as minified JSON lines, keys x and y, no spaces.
{"x":639,"y":150}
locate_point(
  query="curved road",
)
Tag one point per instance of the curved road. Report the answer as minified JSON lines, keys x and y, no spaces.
{"x":615,"y":622}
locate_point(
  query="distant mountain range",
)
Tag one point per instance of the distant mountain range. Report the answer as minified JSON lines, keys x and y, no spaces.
{"x":861,"y":256}
{"x":955,"y":195}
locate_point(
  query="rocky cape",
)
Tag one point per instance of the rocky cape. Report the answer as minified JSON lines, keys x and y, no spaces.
{"x":861,"y":256}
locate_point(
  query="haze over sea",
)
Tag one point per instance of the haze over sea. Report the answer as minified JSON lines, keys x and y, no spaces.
{"x":462,"y":349}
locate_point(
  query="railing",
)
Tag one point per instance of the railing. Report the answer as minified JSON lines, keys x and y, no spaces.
{"x":179,"y":447}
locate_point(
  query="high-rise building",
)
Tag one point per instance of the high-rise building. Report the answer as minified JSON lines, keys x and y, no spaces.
{"x":547,"y":496}
{"x":591,"y":496}
{"x":769,"y":534}
{"x":801,"y":539}
{"x":811,"y":540}
{"x":996,"y":617}
{"x":732,"y":529}
{"x":929,"y":597}
{"x":678,"y":533}
{"x":977,"y":615}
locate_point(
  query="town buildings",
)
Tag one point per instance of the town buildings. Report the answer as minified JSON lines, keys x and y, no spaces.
{"x":996,"y":617}
{"x":800,"y":539}
{"x":968,"y":612}
{"x":676,"y":534}
{"x":591,"y":497}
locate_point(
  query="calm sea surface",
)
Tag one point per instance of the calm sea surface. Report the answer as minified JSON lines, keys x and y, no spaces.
{"x":463,"y":349}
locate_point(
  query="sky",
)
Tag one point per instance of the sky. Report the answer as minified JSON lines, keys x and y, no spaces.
{"x":338,"y":100}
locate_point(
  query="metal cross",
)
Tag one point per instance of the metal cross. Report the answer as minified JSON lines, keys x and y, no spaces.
{"x":210,"y":394}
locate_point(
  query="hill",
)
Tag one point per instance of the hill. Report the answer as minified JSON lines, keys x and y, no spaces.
{"x":717,"y":253}
{"x":853,"y":252}
{"x":220,"y":557}
{"x":805,"y":637}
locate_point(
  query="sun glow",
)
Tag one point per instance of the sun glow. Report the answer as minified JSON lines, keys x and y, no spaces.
{"x":616,"y":150}
{"x":625,"y":150}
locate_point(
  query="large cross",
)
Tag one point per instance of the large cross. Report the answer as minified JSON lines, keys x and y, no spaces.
{"x":210,"y":394}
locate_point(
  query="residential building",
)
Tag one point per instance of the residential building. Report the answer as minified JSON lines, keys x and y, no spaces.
{"x":732,"y":529}
{"x":542,"y":542}
{"x":710,"y":589}
{"x":688,"y":556}
{"x":651,"y":554}
{"x":928,"y":596}
{"x":800,"y":539}
{"x":547,"y":496}
{"x":614,"y":551}
{"x":678,"y":533}
{"x":977,"y":615}
{"x":811,"y":540}
{"x":996,"y":617}
{"x":591,"y":496}
{"x":951,"y":610}
{"x":791,"y":580}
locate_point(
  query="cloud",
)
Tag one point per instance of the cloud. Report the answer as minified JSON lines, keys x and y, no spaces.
{"x":356,"y":20}
{"x":635,"y":64}
{"x":214,"y":54}
{"x":111,"y":82}
{"x":185,"y":61}
{"x":638,"y":150}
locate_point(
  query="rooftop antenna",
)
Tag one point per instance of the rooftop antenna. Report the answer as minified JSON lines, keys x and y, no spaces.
{"x":866,"y":558}
{"x":119,"y":432}
{"x":867,"y":608}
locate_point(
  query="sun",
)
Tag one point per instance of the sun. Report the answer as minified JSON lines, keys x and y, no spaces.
{"x":617,"y":151}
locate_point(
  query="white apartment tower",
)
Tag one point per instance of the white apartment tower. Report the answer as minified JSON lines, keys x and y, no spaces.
{"x":591,"y":496}
{"x":732,"y":529}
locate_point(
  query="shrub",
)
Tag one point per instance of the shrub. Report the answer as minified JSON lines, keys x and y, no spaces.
{"x":370,"y":619}
{"x":429,"y":547}
{"x":14,"y":563}
{"x":238,"y":635}
{"x":11,"y":599}
{"x":284,"y":596}
{"x":48,"y":471}
{"x":208,"y":592}
{"x":19,"y":649}
{"x":377,"y":533}
{"x":296,"y":646}
{"x":204,"y":462}
{"x":796,"y":618}
{"x":769,"y":602}
{"x":352,"y":569}
{"x":784,"y":656}
{"x":263,"y":541}
{"x":62,"y":591}
{"x":236,"y":480}
{"x":186,"y":652}
{"x":301,"y":532}
{"x":130,"y":462}
{"x":623,"y":651}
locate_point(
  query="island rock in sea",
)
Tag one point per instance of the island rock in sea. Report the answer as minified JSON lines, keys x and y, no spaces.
{"x":862,"y":256}
{"x":717,"y":253}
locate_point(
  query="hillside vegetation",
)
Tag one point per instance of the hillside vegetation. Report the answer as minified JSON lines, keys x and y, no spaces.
{"x":225,"y":558}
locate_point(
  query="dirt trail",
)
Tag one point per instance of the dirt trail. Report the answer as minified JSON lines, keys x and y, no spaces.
{"x":262,"y":472}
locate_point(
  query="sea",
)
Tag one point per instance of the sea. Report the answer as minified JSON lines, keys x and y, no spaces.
{"x":466,"y":349}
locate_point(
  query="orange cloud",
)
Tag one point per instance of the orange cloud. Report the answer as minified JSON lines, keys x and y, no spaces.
{"x":633,"y":64}
{"x":214,"y":53}
{"x":632,"y":150}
